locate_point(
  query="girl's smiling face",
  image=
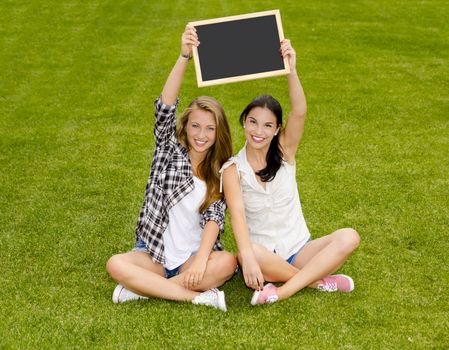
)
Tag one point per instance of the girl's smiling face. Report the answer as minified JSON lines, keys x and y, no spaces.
{"x":200,"y":130}
{"x":260,"y":127}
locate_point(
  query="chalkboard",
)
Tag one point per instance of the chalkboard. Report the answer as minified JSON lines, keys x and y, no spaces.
{"x":239,"y":48}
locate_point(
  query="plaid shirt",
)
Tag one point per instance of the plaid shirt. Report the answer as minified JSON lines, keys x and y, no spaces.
{"x":170,"y":180}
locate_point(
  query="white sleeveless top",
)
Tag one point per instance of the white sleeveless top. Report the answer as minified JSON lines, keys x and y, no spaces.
{"x":273,"y":214}
{"x":183,"y":234}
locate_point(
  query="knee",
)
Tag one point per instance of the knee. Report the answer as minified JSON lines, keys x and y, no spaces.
{"x":227,"y":264}
{"x":349,"y":239}
{"x":115,"y":268}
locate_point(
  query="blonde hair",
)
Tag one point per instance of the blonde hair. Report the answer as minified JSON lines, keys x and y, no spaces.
{"x":217,"y":154}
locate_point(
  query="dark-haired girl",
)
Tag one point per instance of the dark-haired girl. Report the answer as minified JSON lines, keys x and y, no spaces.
{"x":260,"y":188}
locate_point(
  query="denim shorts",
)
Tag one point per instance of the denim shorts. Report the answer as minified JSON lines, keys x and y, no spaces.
{"x":292,"y":258}
{"x":141,"y":247}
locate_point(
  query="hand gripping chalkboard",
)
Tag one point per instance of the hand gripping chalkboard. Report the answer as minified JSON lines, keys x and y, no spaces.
{"x":239,"y":48}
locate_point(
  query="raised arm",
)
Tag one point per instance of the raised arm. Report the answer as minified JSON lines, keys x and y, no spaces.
{"x":251,"y":270}
{"x":174,"y":80}
{"x":294,"y":127}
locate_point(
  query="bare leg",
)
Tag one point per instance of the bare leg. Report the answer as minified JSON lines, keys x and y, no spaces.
{"x":137,"y":272}
{"x":313,"y":248}
{"x":273,"y":267}
{"x":320,"y":258}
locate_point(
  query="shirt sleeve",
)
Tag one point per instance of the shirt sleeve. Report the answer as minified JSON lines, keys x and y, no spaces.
{"x":165,"y":120}
{"x":215,"y":212}
{"x":229,"y":162}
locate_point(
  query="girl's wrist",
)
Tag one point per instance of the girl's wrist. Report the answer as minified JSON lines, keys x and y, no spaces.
{"x":186,"y":56}
{"x":200,"y":256}
{"x":293,"y":73}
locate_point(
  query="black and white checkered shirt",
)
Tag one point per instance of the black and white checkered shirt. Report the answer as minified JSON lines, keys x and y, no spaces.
{"x":170,"y":180}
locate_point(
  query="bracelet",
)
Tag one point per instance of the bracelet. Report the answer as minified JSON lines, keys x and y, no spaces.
{"x":186,"y":56}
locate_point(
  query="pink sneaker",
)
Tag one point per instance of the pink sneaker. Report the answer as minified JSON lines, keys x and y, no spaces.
{"x":265,"y":296}
{"x":336,"y":283}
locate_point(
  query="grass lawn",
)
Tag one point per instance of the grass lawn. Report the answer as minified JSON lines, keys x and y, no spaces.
{"x":78,"y":79}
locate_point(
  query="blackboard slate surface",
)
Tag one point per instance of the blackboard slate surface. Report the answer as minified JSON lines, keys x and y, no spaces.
{"x":241,"y":49}
{"x":254,"y":46}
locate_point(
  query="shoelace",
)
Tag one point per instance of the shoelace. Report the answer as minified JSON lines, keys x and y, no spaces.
{"x":126,"y":294}
{"x":210,"y":297}
{"x":271,"y":299}
{"x":328,"y":286}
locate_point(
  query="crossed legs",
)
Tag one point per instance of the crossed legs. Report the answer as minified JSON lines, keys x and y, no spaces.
{"x":137,"y":272}
{"x":316,"y":260}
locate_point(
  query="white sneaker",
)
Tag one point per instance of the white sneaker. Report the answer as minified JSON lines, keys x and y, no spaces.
{"x":121,"y":294}
{"x":212,"y":297}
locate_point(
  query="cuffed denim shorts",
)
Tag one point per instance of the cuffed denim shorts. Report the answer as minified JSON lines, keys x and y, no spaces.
{"x":291,"y":259}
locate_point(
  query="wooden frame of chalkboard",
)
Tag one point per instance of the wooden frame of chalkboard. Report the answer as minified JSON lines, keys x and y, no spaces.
{"x":238,"y":48}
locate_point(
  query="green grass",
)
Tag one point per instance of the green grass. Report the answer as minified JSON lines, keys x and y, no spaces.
{"x":78,"y":79}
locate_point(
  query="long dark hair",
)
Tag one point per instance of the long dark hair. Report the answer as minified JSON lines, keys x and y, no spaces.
{"x":274,"y":155}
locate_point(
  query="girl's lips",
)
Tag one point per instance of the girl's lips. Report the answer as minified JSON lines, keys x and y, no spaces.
{"x":200,"y":143}
{"x":257,"y":139}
